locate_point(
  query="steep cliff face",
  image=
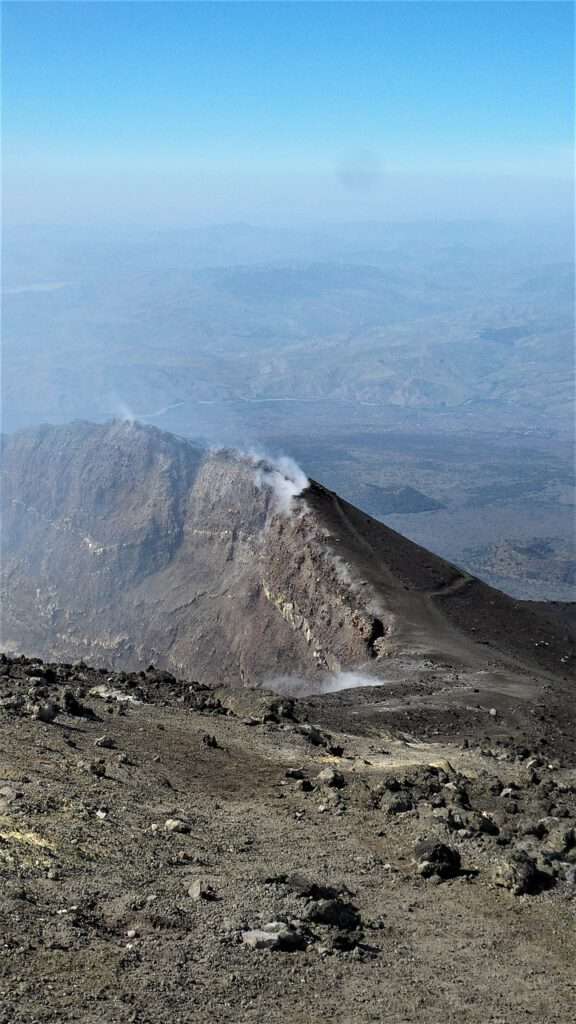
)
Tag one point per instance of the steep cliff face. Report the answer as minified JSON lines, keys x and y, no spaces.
{"x":124,"y":545}
{"x":128,"y":545}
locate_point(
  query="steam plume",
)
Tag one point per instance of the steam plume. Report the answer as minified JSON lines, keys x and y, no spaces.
{"x":123,"y":412}
{"x":284,"y":477}
{"x":298,"y":686}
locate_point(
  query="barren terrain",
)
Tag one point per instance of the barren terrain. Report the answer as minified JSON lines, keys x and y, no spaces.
{"x":171,"y":853}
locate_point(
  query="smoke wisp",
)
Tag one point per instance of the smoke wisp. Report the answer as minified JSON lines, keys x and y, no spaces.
{"x":299,"y":686}
{"x":122,"y":411}
{"x":284,"y":477}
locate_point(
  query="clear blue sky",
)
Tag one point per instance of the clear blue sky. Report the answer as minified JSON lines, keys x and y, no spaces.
{"x":273,"y":111}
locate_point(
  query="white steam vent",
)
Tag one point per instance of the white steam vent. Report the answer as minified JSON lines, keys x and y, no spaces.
{"x":285,"y":479}
{"x":300,"y":686}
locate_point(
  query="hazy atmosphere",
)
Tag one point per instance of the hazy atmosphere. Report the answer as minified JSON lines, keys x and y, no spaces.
{"x":287,"y":506}
{"x":178,"y":114}
{"x":320,"y":229}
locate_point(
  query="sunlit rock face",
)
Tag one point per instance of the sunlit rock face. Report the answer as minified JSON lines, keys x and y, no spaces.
{"x":125,"y":545}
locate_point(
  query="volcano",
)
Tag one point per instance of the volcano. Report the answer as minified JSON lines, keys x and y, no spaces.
{"x":248,"y":730}
{"x":128,"y":546}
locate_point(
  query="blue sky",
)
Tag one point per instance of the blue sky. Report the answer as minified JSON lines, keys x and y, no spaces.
{"x":283,"y":111}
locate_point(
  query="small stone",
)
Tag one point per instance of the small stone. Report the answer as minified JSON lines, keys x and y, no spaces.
{"x":8,"y":794}
{"x":493,"y":712}
{"x":106,"y":742}
{"x":399,"y":805}
{"x":72,"y":706}
{"x":37,"y":680}
{"x":131,"y":933}
{"x":201,"y":890}
{"x":330,"y":777}
{"x":46,"y":712}
{"x":306,"y":887}
{"x":257,"y":938}
{"x":569,"y":874}
{"x":304,"y":785}
{"x":275,"y":936}
{"x":176,"y":825}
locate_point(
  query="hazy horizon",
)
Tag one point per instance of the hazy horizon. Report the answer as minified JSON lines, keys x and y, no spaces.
{"x":286,"y":113}
{"x":343,"y":231}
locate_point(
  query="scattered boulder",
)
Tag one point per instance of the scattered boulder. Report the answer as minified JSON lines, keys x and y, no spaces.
{"x":399,"y":804}
{"x":519,"y":873}
{"x":313,"y":735}
{"x":559,"y":842}
{"x":330,"y":777}
{"x":482,"y":823}
{"x":106,"y":742}
{"x":45,"y":712}
{"x":456,"y":795}
{"x":435,"y":858}
{"x":306,"y":887}
{"x":257,"y":938}
{"x":275,"y":936}
{"x":8,"y":794}
{"x":334,"y":912}
{"x":73,"y":707}
{"x":304,"y":785}
{"x":261,"y":705}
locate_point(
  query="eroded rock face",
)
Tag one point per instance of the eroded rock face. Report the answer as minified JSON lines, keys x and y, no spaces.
{"x":131,"y":546}
{"x":126,"y":546}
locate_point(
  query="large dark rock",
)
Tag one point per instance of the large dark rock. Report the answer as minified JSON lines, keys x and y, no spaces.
{"x":334,"y":912}
{"x":435,"y":858}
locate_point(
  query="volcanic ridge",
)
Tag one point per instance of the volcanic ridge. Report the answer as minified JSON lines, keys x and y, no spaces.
{"x":264,"y":759}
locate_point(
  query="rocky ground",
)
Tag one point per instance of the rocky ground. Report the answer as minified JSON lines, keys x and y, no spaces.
{"x":174,"y":853}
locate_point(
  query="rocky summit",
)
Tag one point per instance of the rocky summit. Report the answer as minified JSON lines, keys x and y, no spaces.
{"x":264,"y":759}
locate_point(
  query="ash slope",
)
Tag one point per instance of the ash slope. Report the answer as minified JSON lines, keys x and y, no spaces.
{"x":126,"y":545}
{"x":148,"y":825}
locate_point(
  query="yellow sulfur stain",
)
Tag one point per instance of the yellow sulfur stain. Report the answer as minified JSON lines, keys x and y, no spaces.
{"x":28,"y":838}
